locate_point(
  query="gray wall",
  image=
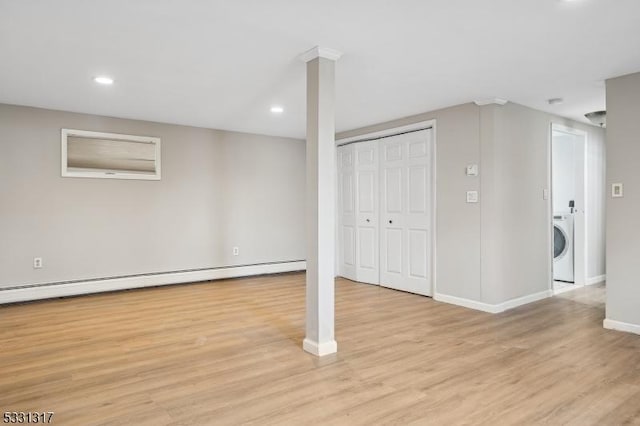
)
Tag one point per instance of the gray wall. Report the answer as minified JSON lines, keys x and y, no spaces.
{"x":499,"y":249}
{"x":623,"y":229}
{"x":218,"y":190}
{"x":525,"y":147}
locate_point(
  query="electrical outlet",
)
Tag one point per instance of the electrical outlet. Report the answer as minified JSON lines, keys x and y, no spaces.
{"x":236,"y":251}
{"x":472,"y":196}
{"x":37,"y":262}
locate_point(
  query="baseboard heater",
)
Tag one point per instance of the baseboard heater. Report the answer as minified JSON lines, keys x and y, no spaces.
{"x":98,"y":285}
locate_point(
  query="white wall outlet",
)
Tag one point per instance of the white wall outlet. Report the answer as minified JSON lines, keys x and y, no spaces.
{"x":545,"y":194}
{"x":472,"y":196}
{"x":236,"y":251}
{"x":37,"y":262}
{"x":472,"y":170}
{"x":617,"y":190}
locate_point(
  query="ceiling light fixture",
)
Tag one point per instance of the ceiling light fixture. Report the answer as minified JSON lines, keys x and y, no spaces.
{"x":598,"y":118}
{"x":277,"y":109}
{"x":103,"y":80}
{"x":555,"y":101}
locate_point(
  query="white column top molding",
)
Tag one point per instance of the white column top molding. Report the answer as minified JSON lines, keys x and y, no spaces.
{"x":320,"y":52}
{"x":490,"y":101}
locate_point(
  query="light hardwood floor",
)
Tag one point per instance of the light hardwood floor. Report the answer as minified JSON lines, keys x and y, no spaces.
{"x":229,"y":352}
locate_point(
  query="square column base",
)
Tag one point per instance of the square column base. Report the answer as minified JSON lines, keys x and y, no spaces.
{"x":320,"y":349}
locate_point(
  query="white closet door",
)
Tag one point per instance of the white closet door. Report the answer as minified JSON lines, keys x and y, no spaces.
{"x":347,"y":213}
{"x":359,"y":252}
{"x":367,"y":206}
{"x":405,"y":236}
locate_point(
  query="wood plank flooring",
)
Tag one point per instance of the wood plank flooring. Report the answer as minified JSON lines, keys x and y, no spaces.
{"x":229,"y":352}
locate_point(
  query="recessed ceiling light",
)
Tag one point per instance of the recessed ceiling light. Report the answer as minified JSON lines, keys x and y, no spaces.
{"x":103,"y":80}
{"x":277,"y":109}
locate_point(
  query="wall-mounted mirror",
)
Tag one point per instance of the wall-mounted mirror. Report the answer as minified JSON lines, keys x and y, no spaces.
{"x":109,"y":155}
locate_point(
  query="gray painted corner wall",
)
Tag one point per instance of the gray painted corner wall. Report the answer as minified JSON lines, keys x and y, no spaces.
{"x":519,"y":217}
{"x":499,"y":249}
{"x":218,"y":190}
{"x":516,"y":221}
{"x":623,"y":230}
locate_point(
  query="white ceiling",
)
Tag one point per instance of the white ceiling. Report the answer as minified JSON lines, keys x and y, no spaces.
{"x":222,"y":64}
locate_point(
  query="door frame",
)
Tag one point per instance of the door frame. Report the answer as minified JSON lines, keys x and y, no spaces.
{"x":420,"y":125}
{"x":580,"y":230}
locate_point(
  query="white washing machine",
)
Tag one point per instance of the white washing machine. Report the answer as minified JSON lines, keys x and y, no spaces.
{"x":563,"y":262}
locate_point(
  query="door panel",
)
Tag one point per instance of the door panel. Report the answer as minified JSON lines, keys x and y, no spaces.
{"x":366,"y":191}
{"x":418,"y":149}
{"x":393,"y":250}
{"x":405,"y":215}
{"x":368,"y":254}
{"x":347,"y":254}
{"x":347,"y":192}
{"x":418,"y":189}
{"x":418,"y":251}
{"x":348,"y":246}
{"x":367,"y":206}
{"x":359,"y":255}
{"x":393,"y":190}
{"x":393,"y":152}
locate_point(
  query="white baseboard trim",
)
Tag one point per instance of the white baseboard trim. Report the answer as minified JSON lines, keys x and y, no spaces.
{"x":566,"y":289}
{"x":524,"y":300}
{"x":466,"y":303}
{"x":320,"y":349}
{"x":493,"y":309}
{"x":151,"y":280}
{"x":610,"y":324}
{"x":596,"y":280}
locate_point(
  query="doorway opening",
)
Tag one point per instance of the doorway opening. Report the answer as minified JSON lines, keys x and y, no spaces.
{"x":568,"y":208}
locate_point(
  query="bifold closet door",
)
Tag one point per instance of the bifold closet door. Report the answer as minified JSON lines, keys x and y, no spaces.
{"x":346,"y":213}
{"x":405,"y":216}
{"x":358,"y":206}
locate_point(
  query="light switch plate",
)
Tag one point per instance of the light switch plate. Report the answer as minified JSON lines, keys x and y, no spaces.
{"x":472,"y":170}
{"x":617,"y":190}
{"x":545,"y":194}
{"x":472,"y":196}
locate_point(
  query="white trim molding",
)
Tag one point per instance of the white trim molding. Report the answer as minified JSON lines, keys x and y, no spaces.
{"x":596,"y":280}
{"x":466,"y":303}
{"x":320,"y":52}
{"x":492,"y":309}
{"x":320,"y":349}
{"x":420,"y":125}
{"x":490,"y":101}
{"x":610,"y":324}
{"x":524,"y":300}
{"x":561,"y":290}
{"x":48,"y":291}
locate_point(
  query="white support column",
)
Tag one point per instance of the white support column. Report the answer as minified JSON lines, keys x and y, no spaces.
{"x":320,"y":210}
